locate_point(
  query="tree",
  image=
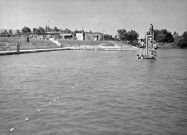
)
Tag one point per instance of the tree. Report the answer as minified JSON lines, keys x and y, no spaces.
{"x":108,"y":37}
{"x":182,"y":40}
{"x":5,"y":33}
{"x":78,"y":31}
{"x":56,"y":29}
{"x":34,"y":30}
{"x":41,"y":30}
{"x":66,"y":31}
{"x":122,"y":34}
{"x":163,"y":36}
{"x":46,"y":28}
{"x":128,"y":36}
{"x":18,"y":32}
{"x":10,"y":32}
{"x":175,"y":36}
{"x":26,"y":30}
{"x":132,"y":36}
{"x":37,"y":31}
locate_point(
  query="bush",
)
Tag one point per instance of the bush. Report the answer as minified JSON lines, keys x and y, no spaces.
{"x":163,"y":36}
{"x":182,"y":40}
{"x":130,"y":36}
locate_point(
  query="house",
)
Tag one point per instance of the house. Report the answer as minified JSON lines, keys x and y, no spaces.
{"x":80,"y":36}
{"x":89,"y":36}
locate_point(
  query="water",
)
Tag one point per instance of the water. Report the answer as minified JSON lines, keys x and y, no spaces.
{"x":100,"y":93}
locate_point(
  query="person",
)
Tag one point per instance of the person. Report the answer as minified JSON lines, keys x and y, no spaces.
{"x":75,"y":46}
{"x":27,"y":39}
{"x":7,"y":46}
{"x":155,"y":46}
{"x":151,"y":29}
{"x":142,"y":46}
{"x":18,"y":46}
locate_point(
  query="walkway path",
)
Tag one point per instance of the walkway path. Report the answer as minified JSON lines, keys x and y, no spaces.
{"x":32,"y":51}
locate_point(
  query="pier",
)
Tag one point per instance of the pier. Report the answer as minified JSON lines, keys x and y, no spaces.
{"x":31,"y":51}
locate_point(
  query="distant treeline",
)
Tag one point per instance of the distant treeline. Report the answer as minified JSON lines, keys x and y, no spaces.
{"x":41,"y":30}
{"x":160,"y":36}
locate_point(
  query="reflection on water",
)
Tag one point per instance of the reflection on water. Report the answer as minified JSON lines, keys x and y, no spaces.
{"x":100,"y":92}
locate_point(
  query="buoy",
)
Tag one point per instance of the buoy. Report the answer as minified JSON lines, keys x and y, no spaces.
{"x":72,"y":87}
{"x":54,"y":99}
{"x":57,"y":97}
{"x":68,"y":90}
{"x":38,"y":110}
{"x":27,"y":119}
{"x":12,"y":129}
{"x":50,"y":102}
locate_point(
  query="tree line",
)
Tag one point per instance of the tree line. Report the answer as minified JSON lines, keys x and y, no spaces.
{"x":160,"y":36}
{"x":41,"y":30}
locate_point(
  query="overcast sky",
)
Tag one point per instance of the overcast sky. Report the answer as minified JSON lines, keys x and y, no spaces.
{"x":95,"y":15}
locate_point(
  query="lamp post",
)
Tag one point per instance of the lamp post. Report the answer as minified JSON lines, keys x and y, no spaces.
{"x":103,"y":34}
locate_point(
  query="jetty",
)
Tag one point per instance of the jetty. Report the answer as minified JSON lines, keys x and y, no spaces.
{"x":32,"y":51}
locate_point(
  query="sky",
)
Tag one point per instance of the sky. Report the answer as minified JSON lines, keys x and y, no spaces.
{"x":96,"y":15}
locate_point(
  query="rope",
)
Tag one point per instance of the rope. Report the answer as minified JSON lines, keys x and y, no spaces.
{"x":25,"y":115}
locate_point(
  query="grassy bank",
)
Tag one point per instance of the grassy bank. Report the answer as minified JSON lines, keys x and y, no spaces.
{"x":47,"y":44}
{"x":24,"y":45}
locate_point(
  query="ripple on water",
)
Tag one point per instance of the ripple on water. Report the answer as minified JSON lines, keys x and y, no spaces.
{"x":114,"y":95}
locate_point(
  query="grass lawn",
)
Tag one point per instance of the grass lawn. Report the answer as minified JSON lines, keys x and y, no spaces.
{"x":24,"y":45}
{"x":47,"y":44}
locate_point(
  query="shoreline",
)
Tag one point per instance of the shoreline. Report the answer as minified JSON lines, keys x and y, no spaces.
{"x":31,"y":51}
{"x":81,"y":47}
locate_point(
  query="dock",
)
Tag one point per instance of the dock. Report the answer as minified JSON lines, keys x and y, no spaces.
{"x":31,"y":51}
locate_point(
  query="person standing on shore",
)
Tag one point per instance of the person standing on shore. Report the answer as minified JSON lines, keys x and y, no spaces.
{"x":7,"y":46}
{"x":18,"y":46}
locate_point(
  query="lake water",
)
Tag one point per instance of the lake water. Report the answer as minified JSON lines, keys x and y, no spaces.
{"x":93,"y":93}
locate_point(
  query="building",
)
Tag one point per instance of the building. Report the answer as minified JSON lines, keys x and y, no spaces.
{"x":67,"y":36}
{"x":80,"y":36}
{"x":89,"y":36}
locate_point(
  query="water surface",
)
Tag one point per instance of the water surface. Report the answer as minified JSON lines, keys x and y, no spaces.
{"x":100,"y":93}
